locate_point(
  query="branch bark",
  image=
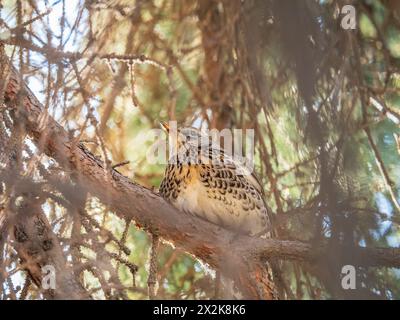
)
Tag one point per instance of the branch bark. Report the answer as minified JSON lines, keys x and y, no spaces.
{"x":37,"y":246}
{"x":239,"y":257}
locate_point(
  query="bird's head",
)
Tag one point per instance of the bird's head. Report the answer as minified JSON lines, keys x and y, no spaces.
{"x":185,"y":139}
{"x":185,"y":136}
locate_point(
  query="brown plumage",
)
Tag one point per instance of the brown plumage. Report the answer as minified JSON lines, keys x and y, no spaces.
{"x":201,"y":179}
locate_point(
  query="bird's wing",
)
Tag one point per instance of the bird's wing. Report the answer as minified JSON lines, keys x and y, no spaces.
{"x":240,"y":169}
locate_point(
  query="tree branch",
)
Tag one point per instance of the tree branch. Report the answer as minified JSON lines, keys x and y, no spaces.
{"x":240,"y":259}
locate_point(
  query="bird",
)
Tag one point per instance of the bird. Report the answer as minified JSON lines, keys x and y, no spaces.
{"x":202,"y":179}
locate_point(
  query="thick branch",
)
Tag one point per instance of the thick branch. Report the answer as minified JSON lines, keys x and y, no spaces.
{"x":127,"y":199}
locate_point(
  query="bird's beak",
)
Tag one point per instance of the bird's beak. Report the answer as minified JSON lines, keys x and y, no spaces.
{"x":164,"y":126}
